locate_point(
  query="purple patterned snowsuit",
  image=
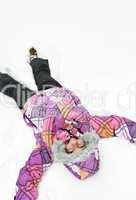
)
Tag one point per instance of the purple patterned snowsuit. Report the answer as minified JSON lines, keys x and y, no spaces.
{"x":46,"y":112}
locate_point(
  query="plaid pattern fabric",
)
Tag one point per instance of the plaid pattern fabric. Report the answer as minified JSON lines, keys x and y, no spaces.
{"x":47,"y":112}
{"x":109,"y":126}
{"x":47,"y":137}
{"x":30,"y":175}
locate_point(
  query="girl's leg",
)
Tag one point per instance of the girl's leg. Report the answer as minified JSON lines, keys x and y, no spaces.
{"x":30,"y":175}
{"x":14,"y":89}
{"x":42,"y":74}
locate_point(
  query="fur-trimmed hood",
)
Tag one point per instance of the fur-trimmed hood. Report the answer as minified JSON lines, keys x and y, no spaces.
{"x":60,"y":155}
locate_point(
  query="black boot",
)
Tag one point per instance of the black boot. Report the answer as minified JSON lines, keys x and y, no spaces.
{"x":32,"y":54}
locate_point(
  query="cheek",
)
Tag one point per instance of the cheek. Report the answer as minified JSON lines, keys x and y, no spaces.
{"x":80,"y":143}
{"x":70,"y":147}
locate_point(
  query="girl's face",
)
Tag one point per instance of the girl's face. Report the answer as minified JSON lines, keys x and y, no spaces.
{"x":75,"y":145}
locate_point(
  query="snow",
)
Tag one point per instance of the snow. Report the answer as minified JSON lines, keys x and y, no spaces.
{"x":91,"y":50}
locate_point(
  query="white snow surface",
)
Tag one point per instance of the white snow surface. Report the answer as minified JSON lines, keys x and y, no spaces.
{"x":91,"y":47}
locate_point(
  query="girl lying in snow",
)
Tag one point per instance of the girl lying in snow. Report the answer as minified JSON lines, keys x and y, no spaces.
{"x":64,"y":130}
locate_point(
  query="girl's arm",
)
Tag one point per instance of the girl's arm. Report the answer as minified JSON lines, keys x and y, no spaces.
{"x":30,"y":175}
{"x":113,"y":125}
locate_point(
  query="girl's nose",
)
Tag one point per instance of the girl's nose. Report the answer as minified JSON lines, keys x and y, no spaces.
{"x":74,"y":145}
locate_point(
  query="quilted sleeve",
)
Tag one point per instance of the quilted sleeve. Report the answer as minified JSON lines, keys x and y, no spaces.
{"x":31,"y":174}
{"x":113,"y":125}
